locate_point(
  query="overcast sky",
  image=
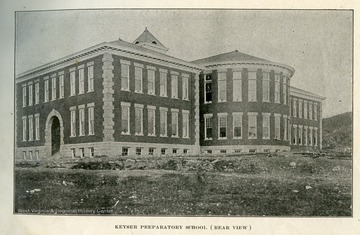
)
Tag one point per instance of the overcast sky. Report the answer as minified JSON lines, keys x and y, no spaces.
{"x":318,"y":44}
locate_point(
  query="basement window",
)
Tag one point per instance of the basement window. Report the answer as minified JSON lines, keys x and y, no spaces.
{"x":163,"y":151}
{"x":138,"y":151}
{"x":125,"y":151}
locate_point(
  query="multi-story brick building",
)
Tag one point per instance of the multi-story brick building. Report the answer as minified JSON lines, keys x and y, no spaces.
{"x":121,"y":98}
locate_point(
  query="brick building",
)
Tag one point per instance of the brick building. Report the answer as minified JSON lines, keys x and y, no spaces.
{"x":121,"y":98}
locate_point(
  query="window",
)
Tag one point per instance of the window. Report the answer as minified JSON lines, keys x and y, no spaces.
{"x":222,"y":87}
{"x":163,"y":151}
{"x":266,"y":87}
{"x":252,"y":86}
{"x":46,"y":90}
{"x":174,"y":123}
{"x":73,"y":121}
{"x":277,"y":126}
{"x":305,"y":109}
{"x":73,"y":153}
{"x":277,"y":89}
{"x":125,"y":118}
{"x":315,"y":136}
{"x":185,"y":124}
{"x":284,"y":90}
{"x":151,"y":120}
{"x":37,"y":92}
{"x":24,"y":155}
{"x":151,"y":81}
{"x":138,"y":79}
{"x":61,"y":86}
{"x":53,"y":88}
{"x":91,"y":118}
{"x":30,"y":155}
{"x":208,"y":88}
{"x":252,"y":125}
{"x":209,"y":151}
{"x":310,"y":110}
{"x":151,"y":151}
{"x":185,"y":151}
{"x":30,"y":94}
{"x":81,"y":120}
{"x":300,"y":135}
{"x":208,"y":126}
{"x":285,"y":127}
{"x":81,"y":81}
{"x":175,"y":151}
{"x":300,"y":108}
{"x":315,"y":111}
{"x":237,"y":125}
{"x":222,"y":150}
{"x":139,"y":119}
{"x":222,"y":122}
{"x":294,"y":134}
{"x":138,"y":151}
{"x":24,"y":95}
{"x":24,"y":128}
{"x":91,"y":152}
{"x":174,"y":86}
{"x":185,"y":88}
{"x":310,"y":136}
{"x":37,"y":127}
{"x":163,"y":121}
{"x":90,"y":74}
{"x":266,"y":125}
{"x":82,"y":152}
{"x":237,"y":86}
{"x":237,"y":150}
{"x":125,"y":151}
{"x":163,"y":84}
{"x":125,"y":77}
{"x":294,"y":108}
{"x":72,"y":83}
{"x":289,"y":130}
{"x":306,"y":135}
{"x":37,"y":155}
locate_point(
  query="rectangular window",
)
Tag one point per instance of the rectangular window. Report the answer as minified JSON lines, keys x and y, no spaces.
{"x":222,"y":87}
{"x":138,"y":119}
{"x":174,"y":86}
{"x":30,"y":94}
{"x":82,"y":152}
{"x":222,"y":122}
{"x":284,"y":90}
{"x":306,"y":141}
{"x":138,"y":151}
{"x":266,"y":87}
{"x":91,"y":152}
{"x":72,"y":83}
{"x":24,"y":155}
{"x":237,"y":86}
{"x":124,"y":77}
{"x":252,"y":86}
{"x":252,"y":126}
{"x":151,"y":120}
{"x":185,"y":124}
{"x":163,"y":151}
{"x":151,"y":82}
{"x":90,"y":74}
{"x":294,"y":108}
{"x":151,"y":151}
{"x":46,"y":90}
{"x":24,"y":128}
{"x":125,"y":151}
{"x":289,"y":130}
{"x":305,"y":109}
{"x":266,"y":125}
{"x":175,"y":151}
{"x":208,"y":126}
{"x":81,"y":121}
{"x":237,"y":125}
{"x":24,"y":95}
{"x":277,"y":126}
{"x":73,"y":121}
{"x":31,"y":128}
{"x":138,"y":79}
{"x":91,"y":119}
{"x":285,"y":128}
{"x":222,"y":150}
{"x":30,"y":155}
{"x":300,"y":108}
{"x":310,"y":111}
{"x":185,"y":88}
{"x":163,"y":84}
{"x":300,"y":137}
{"x":37,"y":127}
{"x":37,"y":155}
{"x":174,"y":123}
{"x":185,"y":151}
{"x":37,"y":92}
{"x":125,"y":118}
{"x":277,"y":88}
{"x":294,"y":134}
{"x":61,"y":86}
{"x":73,"y":153}
{"x":208,"y":88}
{"x":53,"y":88}
{"x":315,"y":136}
{"x":81,"y":81}
{"x":315,"y":112}
{"x":163,"y":122}
{"x":310,"y":136}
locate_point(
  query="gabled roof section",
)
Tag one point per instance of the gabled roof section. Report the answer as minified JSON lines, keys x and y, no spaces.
{"x":146,"y":39}
{"x":305,"y":94}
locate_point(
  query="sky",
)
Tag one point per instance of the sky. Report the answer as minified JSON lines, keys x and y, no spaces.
{"x":316,"y":43}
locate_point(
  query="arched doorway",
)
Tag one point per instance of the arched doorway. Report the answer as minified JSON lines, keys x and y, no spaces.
{"x":55,"y":135}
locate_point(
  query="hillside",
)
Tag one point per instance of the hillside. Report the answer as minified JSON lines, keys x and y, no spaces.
{"x":337,"y":132}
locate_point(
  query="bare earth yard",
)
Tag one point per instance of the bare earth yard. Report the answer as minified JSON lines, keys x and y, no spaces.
{"x":259,"y":185}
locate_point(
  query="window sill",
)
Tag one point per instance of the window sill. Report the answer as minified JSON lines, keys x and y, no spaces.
{"x":174,"y":136}
{"x":237,"y":138}
{"x":266,"y":138}
{"x":222,"y":138}
{"x":153,"y":94}
{"x":266,"y":101}
{"x":139,"y":134}
{"x":208,"y":139}
{"x":186,"y":99}
{"x":72,"y":136}
{"x":207,"y":102}
{"x":90,"y":134}
{"x":125,"y":133}
{"x":175,"y":98}
{"x":90,"y":91}
{"x":163,"y":136}
{"x":124,"y":90}
{"x":81,"y":135}
{"x":138,"y":92}
{"x":221,"y":101}
{"x":152,"y":135}
{"x":165,"y":96}
{"x":186,"y":137}
{"x":237,"y":100}
{"x":253,"y":138}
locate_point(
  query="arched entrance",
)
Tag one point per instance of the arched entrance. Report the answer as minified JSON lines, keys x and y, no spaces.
{"x":55,"y":135}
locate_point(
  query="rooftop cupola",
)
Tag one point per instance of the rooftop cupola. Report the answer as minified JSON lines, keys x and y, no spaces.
{"x":147,"y":40}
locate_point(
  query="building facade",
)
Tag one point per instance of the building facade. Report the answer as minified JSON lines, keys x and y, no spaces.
{"x":121,"y":98}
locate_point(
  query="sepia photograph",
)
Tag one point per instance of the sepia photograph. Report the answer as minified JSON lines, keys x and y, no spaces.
{"x":184,"y":113}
